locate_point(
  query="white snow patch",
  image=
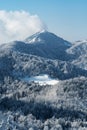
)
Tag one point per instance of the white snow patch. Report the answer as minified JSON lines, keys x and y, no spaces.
{"x":34,"y":40}
{"x":42,"y":80}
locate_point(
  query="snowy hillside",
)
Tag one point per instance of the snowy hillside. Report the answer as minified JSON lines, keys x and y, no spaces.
{"x":43,"y":84}
{"x":43,"y":44}
{"x":79,"y":50}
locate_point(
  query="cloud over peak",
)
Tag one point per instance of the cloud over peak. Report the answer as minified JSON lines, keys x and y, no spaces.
{"x":17,"y":25}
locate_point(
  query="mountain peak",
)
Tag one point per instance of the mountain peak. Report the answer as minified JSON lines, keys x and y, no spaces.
{"x":47,"y":38}
{"x":35,"y":38}
{"x":44,"y":44}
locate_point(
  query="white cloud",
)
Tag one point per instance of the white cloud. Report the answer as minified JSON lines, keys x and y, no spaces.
{"x":17,"y":25}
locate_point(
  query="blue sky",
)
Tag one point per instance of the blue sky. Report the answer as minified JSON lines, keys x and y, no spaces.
{"x":66,"y":18}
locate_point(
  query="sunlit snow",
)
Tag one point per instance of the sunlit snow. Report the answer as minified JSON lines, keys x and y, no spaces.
{"x":42,"y":80}
{"x":34,"y":40}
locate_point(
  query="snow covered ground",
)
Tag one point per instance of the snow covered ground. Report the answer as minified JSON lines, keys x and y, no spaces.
{"x":42,"y":80}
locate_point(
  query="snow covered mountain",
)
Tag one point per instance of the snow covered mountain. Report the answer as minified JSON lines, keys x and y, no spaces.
{"x":46,"y":37}
{"x":43,"y":84}
{"x":79,"y":50}
{"x":43,"y":44}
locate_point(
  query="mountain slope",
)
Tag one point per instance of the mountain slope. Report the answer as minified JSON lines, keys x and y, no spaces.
{"x":42,"y":85}
{"x":24,"y":65}
{"x":44,"y":44}
{"x":39,"y":54}
{"x":79,"y":50}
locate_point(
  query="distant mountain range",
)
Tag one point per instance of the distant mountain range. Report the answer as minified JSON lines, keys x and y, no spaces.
{"x":41,"y":53}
